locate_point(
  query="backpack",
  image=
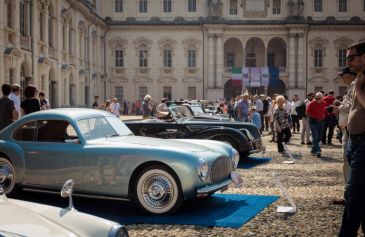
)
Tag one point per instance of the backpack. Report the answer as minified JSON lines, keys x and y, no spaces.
{"x":301,"y":110}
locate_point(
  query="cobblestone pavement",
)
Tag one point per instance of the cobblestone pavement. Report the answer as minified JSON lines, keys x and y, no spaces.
{"x":312,"y":182}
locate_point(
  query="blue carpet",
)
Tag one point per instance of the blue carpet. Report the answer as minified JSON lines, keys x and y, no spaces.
{"x":251,"y":162}
{"x":224,"y":210}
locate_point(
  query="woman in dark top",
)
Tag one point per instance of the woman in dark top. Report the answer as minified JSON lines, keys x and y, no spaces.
{"x":31,"y":103}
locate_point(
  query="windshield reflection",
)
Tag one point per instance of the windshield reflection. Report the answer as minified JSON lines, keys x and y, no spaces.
{"x":102,"y":127}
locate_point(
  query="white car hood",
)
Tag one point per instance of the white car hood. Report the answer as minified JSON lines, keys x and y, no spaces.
{"x":19,"y":221}
{"x":186,"y":145}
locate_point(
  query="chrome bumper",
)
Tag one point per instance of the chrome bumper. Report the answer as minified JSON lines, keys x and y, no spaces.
{"x":204,"y":191}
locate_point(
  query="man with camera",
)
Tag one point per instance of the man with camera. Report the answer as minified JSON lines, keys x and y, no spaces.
{"x":354,"y":213}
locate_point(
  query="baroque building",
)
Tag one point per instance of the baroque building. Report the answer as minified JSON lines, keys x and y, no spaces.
{"x":75,"y":49}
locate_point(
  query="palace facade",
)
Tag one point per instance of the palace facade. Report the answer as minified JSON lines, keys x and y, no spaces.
{"x":76,"y":49}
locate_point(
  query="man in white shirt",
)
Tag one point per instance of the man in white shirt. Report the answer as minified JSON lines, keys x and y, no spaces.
{"x":115,"y":107}
{"x":14,"y":96}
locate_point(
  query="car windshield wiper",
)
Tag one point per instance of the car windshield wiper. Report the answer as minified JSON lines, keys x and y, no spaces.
{"x":113,"y":135}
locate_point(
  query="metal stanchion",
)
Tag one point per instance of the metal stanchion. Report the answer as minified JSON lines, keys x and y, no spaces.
{"x":292,"y":159}
{"x":284,"y":209}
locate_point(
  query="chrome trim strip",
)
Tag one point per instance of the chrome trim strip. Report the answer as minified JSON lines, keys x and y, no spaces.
{"x":74,"y":194}
{"x":213,"y":187}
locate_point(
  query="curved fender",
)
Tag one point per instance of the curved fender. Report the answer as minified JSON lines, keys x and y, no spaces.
{"x":212,"y":132}
{"x":15,"y":154}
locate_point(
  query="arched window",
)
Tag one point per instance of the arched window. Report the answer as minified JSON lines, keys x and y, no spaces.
{"x":342,"y":57}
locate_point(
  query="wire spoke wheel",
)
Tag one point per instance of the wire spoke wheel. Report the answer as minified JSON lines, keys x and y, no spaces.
{"x":157,"y":191}
{"x":7,"y":175}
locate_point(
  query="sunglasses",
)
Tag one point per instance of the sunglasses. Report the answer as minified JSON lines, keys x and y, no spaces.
{"x":351,"y":57}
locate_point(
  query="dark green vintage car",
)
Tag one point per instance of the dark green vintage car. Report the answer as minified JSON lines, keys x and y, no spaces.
{"x":98,"y":151}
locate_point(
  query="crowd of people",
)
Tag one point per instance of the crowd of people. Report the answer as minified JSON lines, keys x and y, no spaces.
{"x":12,"y":106}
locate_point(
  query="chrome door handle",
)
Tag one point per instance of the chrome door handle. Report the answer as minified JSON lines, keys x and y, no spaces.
{"x":33,"y":152}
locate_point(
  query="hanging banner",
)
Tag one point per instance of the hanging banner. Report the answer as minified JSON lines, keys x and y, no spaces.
{"x":265,"y":76}
{"x":236,"y":76}
{"x":246,"y":77}
{"x":255,"y":77}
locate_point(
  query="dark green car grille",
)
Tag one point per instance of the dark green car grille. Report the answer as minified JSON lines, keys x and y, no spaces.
{"x":221,"y":169}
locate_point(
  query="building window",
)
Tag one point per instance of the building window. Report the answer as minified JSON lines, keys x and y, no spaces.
{"x":142,"y":92}
{"x":41,"y":29}
{"x":9,"y":14}
{"x":167,"y":58}
{"x":233,"y":7}
{"x":143,"y":58}
{"x":363,"y":5}
{"x":191,"y":58}
{"x":318,"y":89}
{"x":318,"y":6}
{"x":22,"y":17}
{"x":167,"y":6}
{"x":118,"y":6}
{"x":167,"y":92}
{"x":342,"y":90}
{"x":119,"y":58}
{"x":143,"y":6}
{"x":230,"y":60}
{"x":318,"y":58}
{"x":342,"y":5}
{"x":192,"y":93}
{"x":276,"y":7}
{"x":118,"y":92}
{"x":342,"y":58}
{"x":191,"y":5}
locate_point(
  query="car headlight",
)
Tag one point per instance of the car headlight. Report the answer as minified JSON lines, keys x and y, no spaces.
{"x":235,"y":159}
{"x":118,"y":231}
{"x":203,"y":169}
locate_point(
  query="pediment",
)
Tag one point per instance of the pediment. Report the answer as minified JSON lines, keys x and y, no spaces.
{"x":191,"y":41}
{"x":318,"y":40}
{"x":167,"y":41}
{"x":142,"y":40}
{"x":343,"y":41}
{"x":118,"y":42}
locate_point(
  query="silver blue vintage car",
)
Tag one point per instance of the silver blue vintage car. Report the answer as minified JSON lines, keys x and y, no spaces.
{"x":95,"y":149}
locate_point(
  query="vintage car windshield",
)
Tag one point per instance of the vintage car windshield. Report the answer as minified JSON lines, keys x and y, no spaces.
{"x":197,"y":109}
{"x":103,"y":127}
{"x":180,"y":112}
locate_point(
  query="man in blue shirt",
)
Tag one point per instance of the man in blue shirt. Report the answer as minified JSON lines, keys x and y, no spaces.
{"x":255,"y":117}
{"x":243,"y":108}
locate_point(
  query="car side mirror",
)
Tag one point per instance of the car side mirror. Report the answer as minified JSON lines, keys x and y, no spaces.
{"x":66,"y":191}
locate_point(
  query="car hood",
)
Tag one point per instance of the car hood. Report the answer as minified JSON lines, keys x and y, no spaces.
{"x":19,"y":221}
{"x":186,"y":145}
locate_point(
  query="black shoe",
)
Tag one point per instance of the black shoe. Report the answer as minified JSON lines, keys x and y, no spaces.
{"x":302,"y":143}
{"x":339,"y":202}
{"x":319,"y":155}
{"x":309,"y":143}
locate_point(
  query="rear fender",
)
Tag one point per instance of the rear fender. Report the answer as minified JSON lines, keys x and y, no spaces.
{"x":212,"y":133}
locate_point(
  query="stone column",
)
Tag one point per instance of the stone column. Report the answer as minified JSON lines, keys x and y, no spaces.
{"x":210,"y":61}
{"x":291,"y":61}
{"x":219,"y":60}
{"x":301,"y":61}
{"x":16,"y":22}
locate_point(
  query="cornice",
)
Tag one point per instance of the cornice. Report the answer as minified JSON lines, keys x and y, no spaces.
{"x":154,"y":27}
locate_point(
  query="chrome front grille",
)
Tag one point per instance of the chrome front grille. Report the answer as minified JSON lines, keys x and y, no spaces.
{"x":221,"y":169}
